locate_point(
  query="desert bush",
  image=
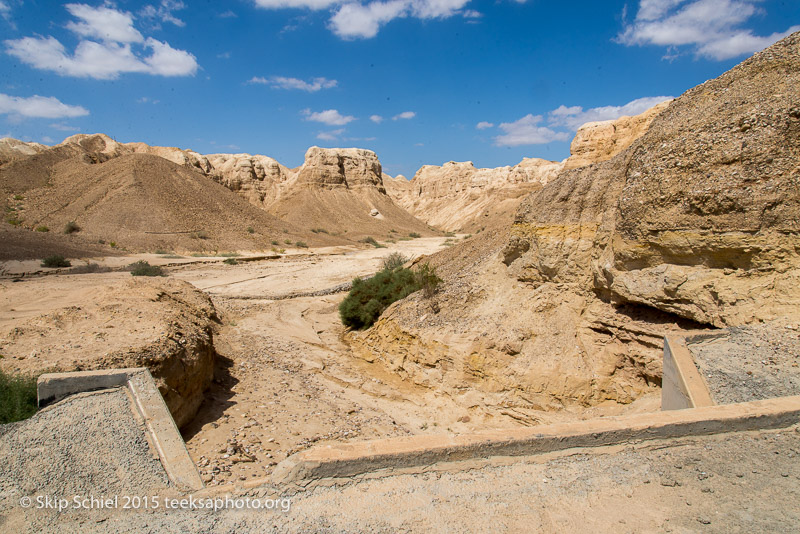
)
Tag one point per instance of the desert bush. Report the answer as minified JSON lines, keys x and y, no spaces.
{"x":414,"y":235}
{"x":373,"y":242}
{"x":369,"y":298}
{"x":42,"y":229}
{"x":320,"y":231}
{"x":56,"y":260}
{"x":229,"y":254}
{"x":14,"y":221}
{"x":71,"y":227}
{"x":231,"y":261}
{"x":19,"y":197}
{"x":301,"y":244}
{"x":143,"y":268}
{"x":393,"y":261}
{"x":89,"y":268}
{"x":288,"y":242}
{"x":428,"y":280}
{"x":251,"y":230}
{"x":17,"y":397}
{"x":200,"y":235}
{"x":275,"y":242}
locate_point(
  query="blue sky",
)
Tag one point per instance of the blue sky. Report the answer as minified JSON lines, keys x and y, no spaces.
{"x":417,"y":81}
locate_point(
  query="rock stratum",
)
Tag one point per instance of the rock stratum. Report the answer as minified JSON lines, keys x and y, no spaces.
{"x":695,"y":225}
{"x":457,"y":196}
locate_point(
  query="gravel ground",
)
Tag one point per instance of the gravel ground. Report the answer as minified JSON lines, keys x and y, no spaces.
{"x":88,"y":444}
{"x":751,"y":363}
{"x":740,"y":482}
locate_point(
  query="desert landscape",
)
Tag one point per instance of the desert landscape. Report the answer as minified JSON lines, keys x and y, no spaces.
{"x":607,"y":342}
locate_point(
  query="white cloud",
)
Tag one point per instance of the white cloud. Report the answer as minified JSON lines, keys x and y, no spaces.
{"x":330,"y":116}
{"x":527,"y":131}
{"x":574,"y":117}
{"x":228,"y":15}
{"x":711,"y":28}
{"x":563,"y":121}
{"x":164,"y":12}
{"x":107,"y":59}
{"x":353,"y":21}
{"x":103,"y":23}
{"x":307,"y":4}
{"x":60,"y":126}
{"x":224,"y":55}
{"x":49,"y":140}
{"x":330,"y":136}
{"x":281,"y":82}
{"x":471,"y":14}
{"x":404,"y":115}
{"x":39,"y":107}
{"x":377,"y":119}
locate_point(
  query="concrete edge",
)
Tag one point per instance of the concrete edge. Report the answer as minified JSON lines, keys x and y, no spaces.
{"x":682,"y":385}
{"x":149,"y":405}
{"x":418,"y":453}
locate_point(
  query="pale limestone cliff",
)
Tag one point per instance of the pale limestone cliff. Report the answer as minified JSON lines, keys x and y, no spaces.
{"x":695,"y":225}
{"x":600,"y":141}
{"x":341,"y":167}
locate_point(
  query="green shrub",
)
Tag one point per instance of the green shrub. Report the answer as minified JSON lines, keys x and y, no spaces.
{"x":56,"y":260}
{"x":89,"y":268}
{"x":301,"y":244}
{"x":371,"y":241}
{"x":393,"y":261}
{"x":42,"y":229}
{"x":275,"y":242}
{"x":71,"y":227}
{"x":143,"y":268}
{"x":320,"y":231}
{"x":17,"y":397}
{"x":414,"y":235}
{"x":449,"y":234}
{"x":14,"y":221}
{"x":288,"y":242}
{"x":251,"y":230}
{"x":229,"y":254}
{"x":231,"y":261}
{"x":369,"y":298}
{"x":19,"y":197}
{"x":113,"y":244}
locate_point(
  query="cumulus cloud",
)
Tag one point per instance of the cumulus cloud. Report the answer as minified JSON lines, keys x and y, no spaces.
{"x":528,"y":131}
{"x":574,"y":117}
{"x":330,"y":117}
{"x":377,"y":119}
{"x":60,"y":126}
{"x":404,"y":115}
{"x":333,"y":135}
{"x":111,"y":54}
{"x":353,"y":19}
{"x":164,"y":13}
{"x":281,"y":82}
{"x":39,"y":107}
{"x":710,"y":28}
{"x":562,"y":122}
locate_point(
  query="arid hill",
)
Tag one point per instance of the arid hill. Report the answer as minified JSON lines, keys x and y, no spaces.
{"x":145,"y":202}
{"x":342,"y":191}
{"x":694,"y":225}
{"x":458,"y":197}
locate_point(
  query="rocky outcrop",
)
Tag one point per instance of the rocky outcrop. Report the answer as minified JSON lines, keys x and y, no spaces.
{"x":600,"y":141}
{"x":458,"y":197}
{"x":259,"y":179}
{"x":341,"y":167}
{"x":695,"y":225}
{"x":11,"y":149}
{"x":164,"y":325}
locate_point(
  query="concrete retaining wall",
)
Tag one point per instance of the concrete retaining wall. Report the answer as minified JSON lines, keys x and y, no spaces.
{"x":149,"y":405}
{"x":682,"y":385}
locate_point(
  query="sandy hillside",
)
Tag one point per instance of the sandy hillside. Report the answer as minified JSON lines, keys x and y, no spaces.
{"x":144,"y":202}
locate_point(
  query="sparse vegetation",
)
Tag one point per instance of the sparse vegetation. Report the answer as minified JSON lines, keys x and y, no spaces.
{"x":14,"y":221}
{"x":42,"y":229}
{"x":369,"y":298}
{"x":449,"y":234}
{"x":393,"y":261}
{"x":288,"y":242}
{"x":200,"y":235}
{"x":320,"y":231}
{"x":143,"y":268}
{"x":229,"y":254}
{"x":373,"y":242}
{"x":56,"y":260}
{"x":89,"y":268}
{"x":231,"y":261}
{"x":71,"y":227}
{"x":113,"y":244}
{"x":251,"y":230}
{"x":17,"y":397}
{"x":414,"y":235}
{"x":19,"y":197}
{"x":275,"y":242}
{"x":449,"y":243}
{"x":162,"y":251}
{"x":301,"y":244}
